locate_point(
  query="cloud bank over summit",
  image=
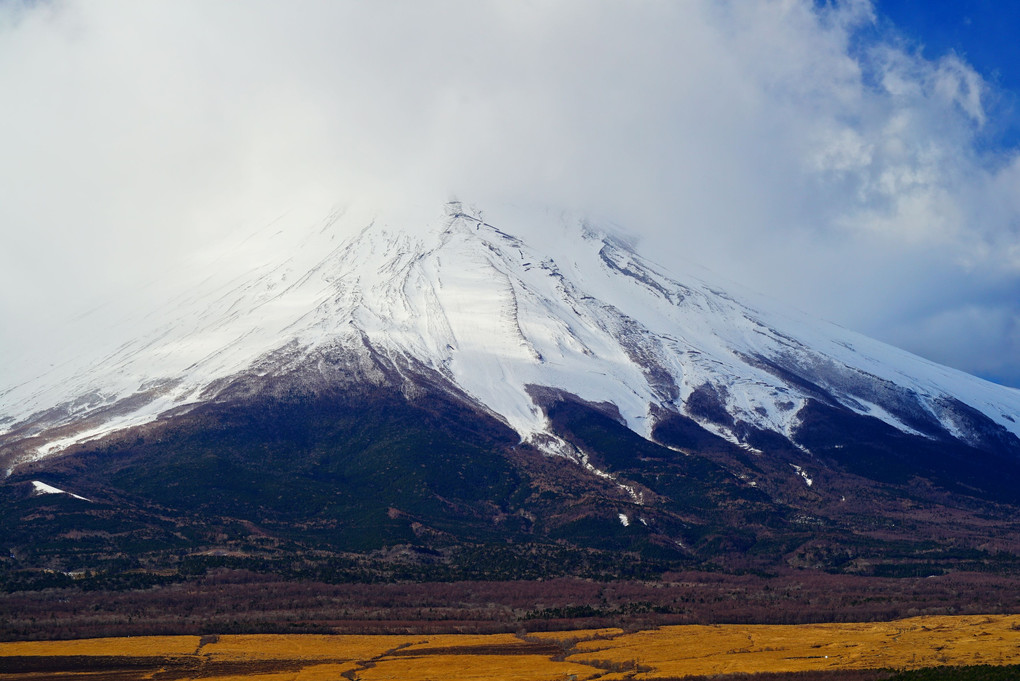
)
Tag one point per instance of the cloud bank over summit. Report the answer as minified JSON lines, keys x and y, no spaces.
{"x":807,"y":151}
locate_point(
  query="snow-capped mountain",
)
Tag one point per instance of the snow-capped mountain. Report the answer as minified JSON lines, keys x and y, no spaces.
{"x":445,"y":397}
{"x":499,"y":322}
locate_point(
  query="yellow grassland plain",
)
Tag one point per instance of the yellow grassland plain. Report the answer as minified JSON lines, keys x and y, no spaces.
{"x":301,"y":647}
{"x":133,"y":646}
{"x":603,"y":654}
{"x":314,"y":672}
{"x":477,"y":668}
{"x":728,"y":649}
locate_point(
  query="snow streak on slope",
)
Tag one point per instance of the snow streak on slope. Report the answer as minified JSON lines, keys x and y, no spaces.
{"x":42,"y":488}
{"x":576,"y":310}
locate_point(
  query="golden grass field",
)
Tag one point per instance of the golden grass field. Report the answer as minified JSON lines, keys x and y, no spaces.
{"x":604,"y":654}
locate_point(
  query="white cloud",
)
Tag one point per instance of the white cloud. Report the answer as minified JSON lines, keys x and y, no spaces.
{"x":788,"y":147}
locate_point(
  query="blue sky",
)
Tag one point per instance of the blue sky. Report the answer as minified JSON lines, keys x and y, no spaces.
{"x":856,"y":160}
{"x":983,"y":32}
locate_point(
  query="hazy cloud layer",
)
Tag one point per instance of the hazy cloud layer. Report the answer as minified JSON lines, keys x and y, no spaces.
{"x":807,"y":153}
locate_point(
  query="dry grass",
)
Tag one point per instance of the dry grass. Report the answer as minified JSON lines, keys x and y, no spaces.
{"x":476,"y":668}
{"x":606,"y":654}
{"x":576,"y":634}
{"x":908,"y":644}
{"x":462,"y":641}
{"x":301,"y":647}
{"x":315,"y":672}
{"x":134,"y":646}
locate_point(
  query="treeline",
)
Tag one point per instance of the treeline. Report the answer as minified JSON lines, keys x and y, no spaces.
{"x":237,"y":601}
{"x":467,"y":562}
{"x":982,"y":672}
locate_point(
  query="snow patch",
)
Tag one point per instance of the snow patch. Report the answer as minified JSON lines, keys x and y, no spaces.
{"x":624,"y":520}
{"x":555,"y":446}
{"x":802,"y":473}
{"x":867,"y":408}
{"x":42,"y":488}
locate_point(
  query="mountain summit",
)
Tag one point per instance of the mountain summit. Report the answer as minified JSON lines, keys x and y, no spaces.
{"x":502,"y":324}
{"x":564,"y":382}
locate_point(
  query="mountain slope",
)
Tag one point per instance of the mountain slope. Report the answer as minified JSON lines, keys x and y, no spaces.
{"x":380,"y":384}
{"x":492,"y":316}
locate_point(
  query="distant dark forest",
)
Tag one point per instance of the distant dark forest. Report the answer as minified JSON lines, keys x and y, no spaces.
{"x":225,"y":601}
